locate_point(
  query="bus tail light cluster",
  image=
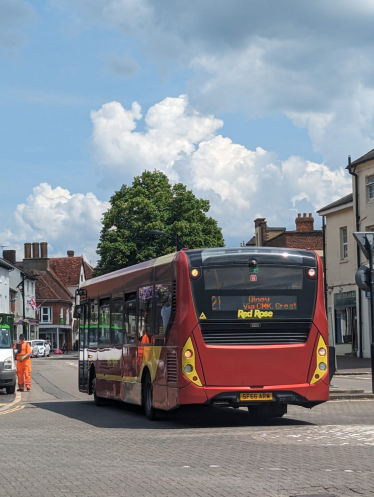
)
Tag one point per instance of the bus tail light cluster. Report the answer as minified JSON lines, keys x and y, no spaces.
{"x":188,"y":363}
{"x":321,"y":368}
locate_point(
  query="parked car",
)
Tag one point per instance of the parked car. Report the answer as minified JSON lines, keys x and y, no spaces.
{"x":40,"y":348}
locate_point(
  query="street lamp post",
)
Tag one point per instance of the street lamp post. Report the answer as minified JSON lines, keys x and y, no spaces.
{"x":178,"y":242}
{"x":365,"y":281}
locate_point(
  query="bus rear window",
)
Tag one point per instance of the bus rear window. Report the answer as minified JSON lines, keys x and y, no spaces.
{"x":259,"y":278}
{"x":267,"y":291}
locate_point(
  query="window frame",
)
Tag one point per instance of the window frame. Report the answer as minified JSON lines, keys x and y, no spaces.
{"x":343,"y":244}
{"x":369,"y":183}
{"x":50,"y":314}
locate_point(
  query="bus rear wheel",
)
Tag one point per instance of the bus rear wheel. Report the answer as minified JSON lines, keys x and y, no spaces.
{"x":147,"y":395}
{"x":268,"y":411}
{"x":99,"y":401}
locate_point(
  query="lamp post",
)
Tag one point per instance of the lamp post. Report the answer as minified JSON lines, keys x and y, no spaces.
{"x":365,"y":281}
{"x":178,"y":242}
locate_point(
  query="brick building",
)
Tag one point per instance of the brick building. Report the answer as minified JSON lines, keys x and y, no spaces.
{"x":304,"y":237}
{"x":57,"y":278}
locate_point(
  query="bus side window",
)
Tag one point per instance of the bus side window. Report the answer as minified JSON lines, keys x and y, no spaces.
{"x":104,"y":322}
{"x":145,"y":316}
{"x":163,"y":307}
{"x":116,"y":322}
{"x":130,"y":317}
{"x":93,"y":322}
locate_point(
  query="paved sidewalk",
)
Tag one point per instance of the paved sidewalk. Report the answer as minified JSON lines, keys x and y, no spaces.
{"x":352,"y":365}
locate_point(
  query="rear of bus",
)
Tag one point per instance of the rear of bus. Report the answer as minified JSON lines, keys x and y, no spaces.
{"x":256,"y":332}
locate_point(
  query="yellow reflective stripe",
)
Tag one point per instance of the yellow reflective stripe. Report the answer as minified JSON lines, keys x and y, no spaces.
{"x":320,"y":359}
{"x":193,"y":376}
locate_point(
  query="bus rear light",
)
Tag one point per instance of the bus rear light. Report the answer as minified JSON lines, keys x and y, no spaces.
{"x":321,"y":368}
{"x":195,"y":273}
{"x":188,"y":363}
{"x":311,"y":273}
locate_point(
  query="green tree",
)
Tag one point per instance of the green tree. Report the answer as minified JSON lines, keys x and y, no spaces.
{"x":152,"y":203}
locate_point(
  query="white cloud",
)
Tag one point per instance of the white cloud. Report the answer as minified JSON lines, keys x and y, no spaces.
{"x":241,"y":184}
{"x":311,"y":61}
{"x":66,"y":221}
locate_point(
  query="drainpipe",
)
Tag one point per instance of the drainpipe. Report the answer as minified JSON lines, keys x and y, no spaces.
{"x":324,"y":262}
{"x":352,"y":172}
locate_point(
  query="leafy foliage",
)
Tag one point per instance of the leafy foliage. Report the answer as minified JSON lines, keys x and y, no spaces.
{"x":152,"y":203}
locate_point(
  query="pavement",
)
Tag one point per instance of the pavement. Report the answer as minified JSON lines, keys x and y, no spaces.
{"x":58,"y":443}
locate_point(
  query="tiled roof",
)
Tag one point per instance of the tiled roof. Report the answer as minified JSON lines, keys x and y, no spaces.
{"x":68,"y":269}
{"x":337,"y":203}
{"x":88,"y":270}
{"x":49,"y":287}
{"x":364,"y":158}
{"x":252,"y":241}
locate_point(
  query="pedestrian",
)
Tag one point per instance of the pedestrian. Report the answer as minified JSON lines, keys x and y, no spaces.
{"x":23,"y":357}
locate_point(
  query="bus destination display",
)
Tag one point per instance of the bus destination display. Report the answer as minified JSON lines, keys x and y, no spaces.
{"x":252,"y":306}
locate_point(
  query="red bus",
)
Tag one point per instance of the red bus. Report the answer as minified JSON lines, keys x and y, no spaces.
{"x":226,"y":327}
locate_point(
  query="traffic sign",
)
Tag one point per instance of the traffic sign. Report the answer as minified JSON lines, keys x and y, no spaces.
{"x":365,"y":240}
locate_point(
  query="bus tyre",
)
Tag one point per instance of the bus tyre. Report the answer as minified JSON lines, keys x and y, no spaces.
{"x":99,"y":401}
{"x":147,"y":394}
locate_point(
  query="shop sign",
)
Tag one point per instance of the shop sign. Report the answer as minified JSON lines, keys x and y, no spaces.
{"x":62,"y":321}
{"x":345,"y":299}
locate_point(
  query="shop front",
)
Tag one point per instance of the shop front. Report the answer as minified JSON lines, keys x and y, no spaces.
{"x":59,"y":335}
{"x":345,"y":311}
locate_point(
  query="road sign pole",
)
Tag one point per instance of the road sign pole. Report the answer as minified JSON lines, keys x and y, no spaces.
{"x":370,"y":250}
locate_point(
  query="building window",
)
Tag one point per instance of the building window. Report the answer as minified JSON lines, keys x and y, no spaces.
{"x":343,"y":244}
{"x":370,"y":187}
{"x":46,"y":315}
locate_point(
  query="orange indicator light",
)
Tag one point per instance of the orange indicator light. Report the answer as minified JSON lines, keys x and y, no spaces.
{"x":195,"y":273}
{"x":188,"y":354}
{"x":322,"y":352}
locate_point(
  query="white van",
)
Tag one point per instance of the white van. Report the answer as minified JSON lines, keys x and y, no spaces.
{"x":7,"y":362}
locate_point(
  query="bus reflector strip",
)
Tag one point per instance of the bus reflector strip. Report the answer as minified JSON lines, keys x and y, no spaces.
{"x":321,"y":356}
{"x":188,"y":363}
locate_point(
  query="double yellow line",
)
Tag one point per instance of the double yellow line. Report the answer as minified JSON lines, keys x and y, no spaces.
{"x":17,"y":408}
{"x":10,"y":407}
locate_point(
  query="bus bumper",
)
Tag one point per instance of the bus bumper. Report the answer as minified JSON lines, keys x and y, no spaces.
{"x":302,"y":395}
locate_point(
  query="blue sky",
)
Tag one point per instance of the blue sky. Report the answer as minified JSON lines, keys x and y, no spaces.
{"x":252,"y":106}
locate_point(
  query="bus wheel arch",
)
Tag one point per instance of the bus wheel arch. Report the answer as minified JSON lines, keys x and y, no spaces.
{"x":147,"y":395}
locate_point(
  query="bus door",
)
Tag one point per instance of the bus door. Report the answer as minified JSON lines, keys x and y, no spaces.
{"x":81,"y":311}
{"x":132,"y":388}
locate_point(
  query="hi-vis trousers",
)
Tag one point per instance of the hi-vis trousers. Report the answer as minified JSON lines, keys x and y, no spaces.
{"x":24,"y":374}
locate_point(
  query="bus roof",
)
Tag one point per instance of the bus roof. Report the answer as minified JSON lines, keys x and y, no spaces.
{"x":159,"y":261}
{"x":264,"y":255}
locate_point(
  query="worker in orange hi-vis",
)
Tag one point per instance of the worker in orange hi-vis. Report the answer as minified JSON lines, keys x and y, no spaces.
{"x":23,"y":357}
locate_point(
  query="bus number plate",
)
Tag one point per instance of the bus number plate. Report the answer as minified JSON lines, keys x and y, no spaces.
{"x":259,"y":396}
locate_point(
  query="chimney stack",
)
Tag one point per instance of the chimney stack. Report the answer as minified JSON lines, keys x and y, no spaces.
{"x":304,"y":222}
{"x":261,"y":231}
{"x":35,"y":250}
{"x":70,"y":253}
{"x":36,"y":261}
{"x":44,"y":250}
{"x":27,"y":250}
{"x":10,"y":256}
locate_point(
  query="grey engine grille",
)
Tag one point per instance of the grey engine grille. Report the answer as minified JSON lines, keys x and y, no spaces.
{"x":244,"y":334}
